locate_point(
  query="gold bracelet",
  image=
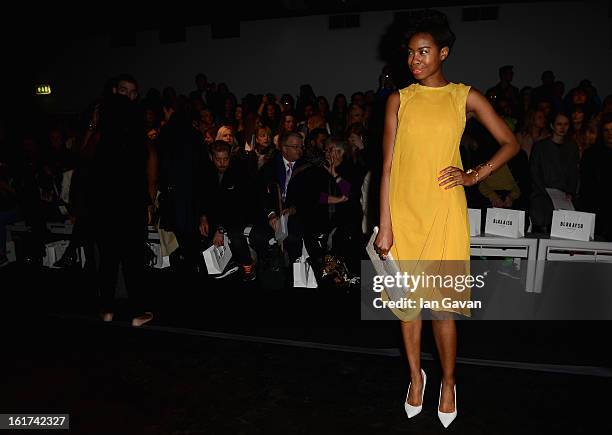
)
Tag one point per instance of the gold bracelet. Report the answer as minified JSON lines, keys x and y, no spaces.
{"x":472,"y":171}
{"x":486,"y":164}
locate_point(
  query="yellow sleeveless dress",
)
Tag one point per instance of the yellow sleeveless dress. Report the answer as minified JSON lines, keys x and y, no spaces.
{"x":431,"y":232}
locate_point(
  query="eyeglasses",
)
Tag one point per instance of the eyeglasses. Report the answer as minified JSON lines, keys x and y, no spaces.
{"x":294,"y":146}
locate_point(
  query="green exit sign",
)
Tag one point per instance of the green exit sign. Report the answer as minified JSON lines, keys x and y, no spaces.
{"x":43,"y":89}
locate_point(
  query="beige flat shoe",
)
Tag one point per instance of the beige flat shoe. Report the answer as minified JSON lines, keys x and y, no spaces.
{"x":141,"y":320}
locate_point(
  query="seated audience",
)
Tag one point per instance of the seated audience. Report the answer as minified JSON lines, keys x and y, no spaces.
{"x":261,"y":152}
{"x":216,"y":166}
{"x":500,"y":188}
{"x":314,"y":152}
{"x":595,"y":186}
{"x":339,"y":185}
{"x":8,"y":205}
{"x":288,"y":125}
{"x":553,"y":164}
{"x":284,"y":191}
{"x":533,"y":130}
{"x":226,"y":207}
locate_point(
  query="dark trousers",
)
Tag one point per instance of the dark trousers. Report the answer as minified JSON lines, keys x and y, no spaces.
{"x":190,"y":250}
{"x":6,"y":217}
{"x":34,"y":242}
{"x":262,"y":233}
{"x":239,"y":245}
{"x":83,"y":236}
{"x":125,"y":248}
{"x":81,"y":232}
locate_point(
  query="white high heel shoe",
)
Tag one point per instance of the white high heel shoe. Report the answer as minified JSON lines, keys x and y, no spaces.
{"x":447,"y":417}
{"x":411,"y":411}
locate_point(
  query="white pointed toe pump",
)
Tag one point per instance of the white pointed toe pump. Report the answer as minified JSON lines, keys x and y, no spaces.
{"x":411,"y":410}
{"x":447,"y":417}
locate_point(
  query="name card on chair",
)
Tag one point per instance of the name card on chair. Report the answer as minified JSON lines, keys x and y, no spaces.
{"x":573,"y":225}
{"x":475,"y":216}
{"x":505,"y":222}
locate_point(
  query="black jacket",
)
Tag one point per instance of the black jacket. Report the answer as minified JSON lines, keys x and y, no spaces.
{"x":595,"y":187}
{"x":227,"y":200}
{"x":119,"y":186}
{"x":183,"y":165}
{"x":302,"y":192}
{"x":551,"y":166}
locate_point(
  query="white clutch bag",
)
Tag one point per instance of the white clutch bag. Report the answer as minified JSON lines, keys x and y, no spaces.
{"x":385,"y":267}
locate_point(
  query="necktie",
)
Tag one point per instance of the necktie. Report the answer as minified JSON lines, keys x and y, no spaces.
{"x":289,"y":168}
{"x":287,"y":178}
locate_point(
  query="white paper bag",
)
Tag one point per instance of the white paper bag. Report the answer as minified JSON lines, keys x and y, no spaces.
{"x":303,"y":275}
{"x":55,"y":250}
{"x":161,"y":261}
{"x":505,"y":222}
{"x":66,"y":181}
{"x":282,"y":232}
{"x":573,"y":225}
{"x":217,"y":257}
{"x":10,"y":252}
{"x":475,"y":216}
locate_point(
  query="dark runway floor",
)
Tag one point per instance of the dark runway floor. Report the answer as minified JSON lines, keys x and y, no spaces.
{"x":176,"y":377}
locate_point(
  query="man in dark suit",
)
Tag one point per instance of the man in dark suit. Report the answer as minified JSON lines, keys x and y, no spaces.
{"x":284,"y":190}
{"x":226,"y":207}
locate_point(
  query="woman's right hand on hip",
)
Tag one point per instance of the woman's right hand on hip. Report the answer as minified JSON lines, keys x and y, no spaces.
{"x":383,"y":242}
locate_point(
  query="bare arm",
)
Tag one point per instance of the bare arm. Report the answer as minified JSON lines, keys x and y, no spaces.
{"x":152,"y":170}
{"x":384,"y":240}
{"x":480,"y":107}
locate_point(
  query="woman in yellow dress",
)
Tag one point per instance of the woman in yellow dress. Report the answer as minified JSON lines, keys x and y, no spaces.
{"x":423,"y":210}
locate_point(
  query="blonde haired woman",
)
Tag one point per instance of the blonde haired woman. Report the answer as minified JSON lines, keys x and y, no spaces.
{"x":226,"y":134}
